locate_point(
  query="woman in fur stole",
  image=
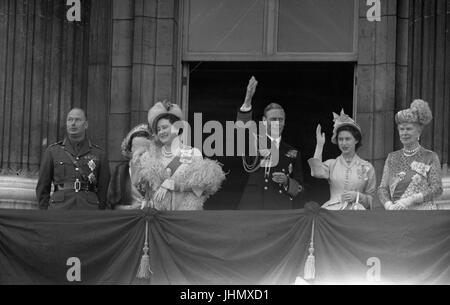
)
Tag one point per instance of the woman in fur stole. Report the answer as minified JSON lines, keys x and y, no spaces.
{"x":171,"y":175}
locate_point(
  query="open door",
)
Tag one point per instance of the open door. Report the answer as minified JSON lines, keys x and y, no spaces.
{"x":309,"y":92}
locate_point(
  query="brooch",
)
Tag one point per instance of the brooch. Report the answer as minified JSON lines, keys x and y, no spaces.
{"x":420,"y":168}
{"x":186,"y":156}
{"x":401,"y":176}
{"x":362,"y":172}
{"x":416,"y":178}
{"x":92,"y":178}
{"x":92,"y":165}
{"x":292,"y":154}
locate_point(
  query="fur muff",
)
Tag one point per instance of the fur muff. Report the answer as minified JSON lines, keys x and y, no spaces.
{"x":150,"y":172}
{"x":204,"y":174}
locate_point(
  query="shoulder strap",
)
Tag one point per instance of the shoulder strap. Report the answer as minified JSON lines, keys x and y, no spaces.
{"x":56,"y":144}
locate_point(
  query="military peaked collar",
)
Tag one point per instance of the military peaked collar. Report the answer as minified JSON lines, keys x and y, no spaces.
{"x":66,"y":140}
{"x":85,"y":147}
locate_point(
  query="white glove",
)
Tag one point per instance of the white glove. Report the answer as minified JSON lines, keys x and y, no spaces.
{"x":411,"y":200}
{"x":168,"y":184}
{"x":398,"y":207}
{"x":160,"y":194}
{"x":388,"y":205}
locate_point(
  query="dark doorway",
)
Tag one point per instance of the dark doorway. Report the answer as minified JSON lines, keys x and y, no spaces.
{"x":309,"y":92}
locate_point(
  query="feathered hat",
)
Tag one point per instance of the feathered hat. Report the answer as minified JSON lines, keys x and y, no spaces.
{"x":419,"y":112}
{"x":160,"y":109}
{"x":125,"y":147}
{"x":342,"y":120}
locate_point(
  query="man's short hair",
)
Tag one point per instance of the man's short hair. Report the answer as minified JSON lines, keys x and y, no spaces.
{"x":80,"y":109}
{"x":273,"y":106}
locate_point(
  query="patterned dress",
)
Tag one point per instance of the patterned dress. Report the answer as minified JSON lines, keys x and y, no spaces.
{"x":358,"y":176}
{"x":404,"y":176}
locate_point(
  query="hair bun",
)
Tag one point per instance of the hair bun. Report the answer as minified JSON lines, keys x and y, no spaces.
{"x":423,"y":111}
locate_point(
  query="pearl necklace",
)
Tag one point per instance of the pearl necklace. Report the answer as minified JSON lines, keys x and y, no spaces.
{"x":167,"y":154}
{"x":412,"y":152}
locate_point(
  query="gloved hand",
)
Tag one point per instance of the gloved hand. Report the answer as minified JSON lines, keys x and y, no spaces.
{"x":388,"y":205}
{"x":160,"y":194}
{"x":168,"y":184}
{"x":410,"y":201}
{"x":349,"y":196}
{"x":398,"y":207}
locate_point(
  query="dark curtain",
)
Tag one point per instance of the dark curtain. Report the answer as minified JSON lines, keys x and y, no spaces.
{"x":229,"y":247}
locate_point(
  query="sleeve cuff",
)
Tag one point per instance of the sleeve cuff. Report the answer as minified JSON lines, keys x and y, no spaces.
{"x":169,"y":184}
{"x":316,"y":168}
{"x":244,"y":109}
{"x":294,"y":188}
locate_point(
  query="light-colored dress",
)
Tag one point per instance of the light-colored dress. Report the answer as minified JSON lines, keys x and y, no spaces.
{"x":358,"y":176}
{"x":196,"y":178}
{"x":405,"y":176}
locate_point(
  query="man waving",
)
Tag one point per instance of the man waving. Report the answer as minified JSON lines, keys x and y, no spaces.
{"x":275,"y":173}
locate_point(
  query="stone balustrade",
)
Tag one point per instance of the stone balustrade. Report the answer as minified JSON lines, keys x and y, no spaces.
{"x":17,"y":193}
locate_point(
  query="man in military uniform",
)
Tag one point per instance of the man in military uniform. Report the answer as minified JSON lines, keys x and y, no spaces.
{"x":275,"y":174}
{"x":77,"y":168}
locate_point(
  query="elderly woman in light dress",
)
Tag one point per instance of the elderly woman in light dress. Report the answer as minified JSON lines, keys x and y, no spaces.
{"x":412,"y":175}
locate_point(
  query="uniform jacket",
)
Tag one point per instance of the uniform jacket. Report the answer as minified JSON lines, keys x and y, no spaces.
{"x":62,"y":165}
{"x":261,"y":193}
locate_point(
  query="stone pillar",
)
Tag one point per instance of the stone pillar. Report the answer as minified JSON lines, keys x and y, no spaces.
{"x":376,"y":89}
{"x":144,"y":65}
{"x":154,"y":49}
{"x":121,"y":75}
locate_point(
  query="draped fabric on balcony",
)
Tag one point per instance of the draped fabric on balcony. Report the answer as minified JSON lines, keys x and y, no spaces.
{"x":226,"y":247}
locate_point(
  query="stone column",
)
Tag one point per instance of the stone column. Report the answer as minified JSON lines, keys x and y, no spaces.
{"x":144,"y":66}
{"x":121,"y":75}
{"x":376,"y":89}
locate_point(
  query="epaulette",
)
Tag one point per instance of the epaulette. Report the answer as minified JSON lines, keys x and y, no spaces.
{"x":96,"y":146}
{"x":57,"y":143}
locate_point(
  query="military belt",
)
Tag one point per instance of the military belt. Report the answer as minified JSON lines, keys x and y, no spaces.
{"x":76,"y":186}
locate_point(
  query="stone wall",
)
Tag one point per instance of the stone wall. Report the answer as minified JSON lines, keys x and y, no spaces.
{"x":144,"y":63}
{"x":17,"y":193}
{"x":376,"y":87}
